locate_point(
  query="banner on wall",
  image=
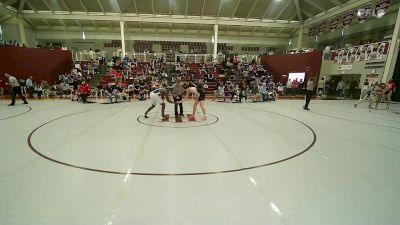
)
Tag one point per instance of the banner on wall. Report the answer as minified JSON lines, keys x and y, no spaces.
{"x":381,"y":8}
{"x":378,"y":10}
{"x":374,"y":51}
{"x":364,"y":13}
{"x":321,"y":27}
{"x":347,"y":19}
{"x":334,"y":24}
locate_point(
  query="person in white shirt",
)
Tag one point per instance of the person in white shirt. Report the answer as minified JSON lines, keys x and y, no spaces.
{"x":310,"y":89}
{"x":15,"y":89}
{"x":289,"y":87}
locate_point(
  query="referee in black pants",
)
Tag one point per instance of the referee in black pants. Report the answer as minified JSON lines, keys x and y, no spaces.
{"x":177,"y":91}
{"x":309,"y":92}
{"x":15,"y":89}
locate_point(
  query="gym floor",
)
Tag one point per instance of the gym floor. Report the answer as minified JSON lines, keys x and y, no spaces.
{"x":69,"y":163}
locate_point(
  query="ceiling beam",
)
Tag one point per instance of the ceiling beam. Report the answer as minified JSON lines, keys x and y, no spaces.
{"x":5,"y":9}
{"x":283,"y":10}
{"x":30,"y":22}
{"x":315,"y":5}
{"x":21,"y":6}
{"x":187,"y":6}
{"x":62,"y":22}
{"x":48,"y":6}
{"x":101,"y":6}
{"x":292,"y":17}
{"x":335,"y":2}
{"x":79,"y":23}
{"x":31,"y":6}
{"x":310,"y":15}
{"x":4,"y":18}
{"x":169,"y":9}
{"x":344,"y":8}
{"x":152,"y":7}
{"x":202,"y":10}
{"x":115,"y":4}
{"x":83,"y":6}
{"x":10,"y":2}
{"x":251,"y":9}
{"x":236,"y":7}
{"x":296,"y":2}
{"x":173,"y":19}
{"x":135,"y":6}
{"x":220,"y":7}
{"x":65,"y":5}
{"x":266,"y":11}
{"x":47,"y":23}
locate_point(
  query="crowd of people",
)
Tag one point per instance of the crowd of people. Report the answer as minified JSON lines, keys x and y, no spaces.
{"x":376,"y":93}
{"x":232,"y":80}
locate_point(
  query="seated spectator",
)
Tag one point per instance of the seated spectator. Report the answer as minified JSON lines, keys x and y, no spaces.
{"x":38,"y":90}
{"x":120,"y":93}
{"x":46,"y":88}
{"x":109,"y":91}
{"x":84,"y":91}
{"x":262,"y":89}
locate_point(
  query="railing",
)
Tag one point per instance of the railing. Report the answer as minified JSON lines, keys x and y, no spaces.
{"x":86,"y":56}
{"x":144,"y":57}
{"x":191,"y":58}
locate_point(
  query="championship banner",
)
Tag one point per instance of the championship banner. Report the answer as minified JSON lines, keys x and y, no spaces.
{"x":348,"y":18}
{"x":363,"y":13}
{"x":381,"y":8}
{"x":334,"y":24}
{"x":321,"y":27}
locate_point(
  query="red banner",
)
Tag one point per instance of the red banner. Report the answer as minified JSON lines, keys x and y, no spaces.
{"x":363,"y":14}
{"x":348,"y":18}
{"x":334,"y":24}
{"x":381,"y":8}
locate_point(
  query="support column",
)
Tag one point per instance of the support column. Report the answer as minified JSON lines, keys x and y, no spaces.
{"x":215,"y":41}
{"x":122,"y":25}
{"x":392,"y":55}
{"x":300,"y":38}
{"x":22,"y":31}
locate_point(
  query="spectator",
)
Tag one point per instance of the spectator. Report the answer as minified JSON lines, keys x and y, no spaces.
{"x":84,"y":91}
{"x":15,"y":89}
{"x":29,"y":86}
{"x":310,"y":89}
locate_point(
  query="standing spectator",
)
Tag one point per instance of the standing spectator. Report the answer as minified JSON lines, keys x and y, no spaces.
{"x":295,"y":88}
{"x":289,"y":87}
{"x":29,"y":86}
{"x":321,"y":87}
{"x":262,"y":89}
{"x":2,"y":86}
{"x":301,"y":87}
{"x":353,"y":87}
{"x":309,"y":91}
{"x":340,"y":89}
{"x":15,"y":89}
{"x":46,"y":88}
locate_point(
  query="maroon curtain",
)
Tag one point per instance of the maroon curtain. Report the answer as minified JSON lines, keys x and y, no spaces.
{"x":279,"y":65}
{"x":42,"y":64}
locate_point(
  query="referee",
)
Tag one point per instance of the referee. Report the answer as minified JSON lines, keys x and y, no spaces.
{"x":310,"y":89}
{"x":15,"y":89}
